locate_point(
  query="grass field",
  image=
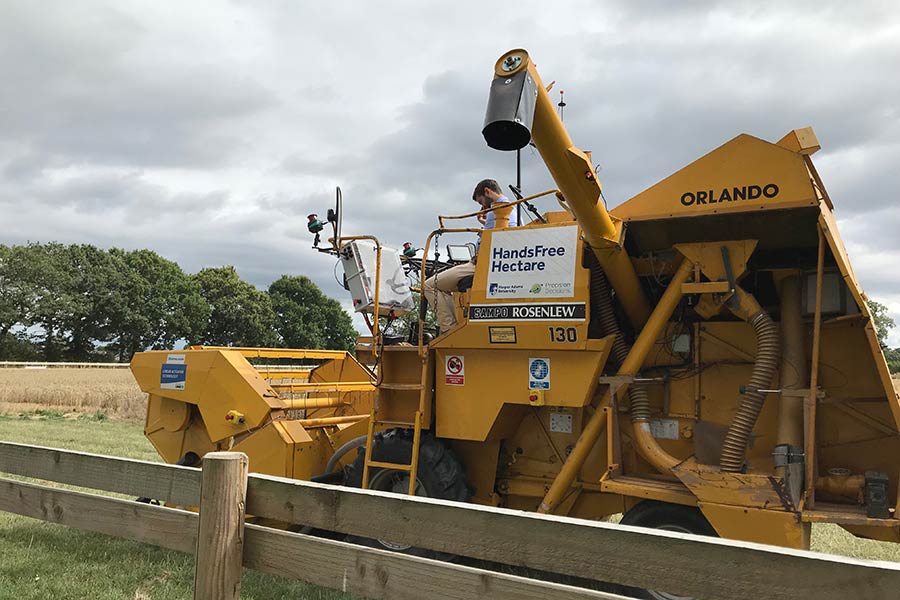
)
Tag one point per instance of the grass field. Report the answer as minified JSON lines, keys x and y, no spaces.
{"x":39,"y":560}
{"x":99,"y":411}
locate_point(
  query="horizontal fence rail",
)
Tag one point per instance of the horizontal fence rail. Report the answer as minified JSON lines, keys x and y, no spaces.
{"x":679,"y":563}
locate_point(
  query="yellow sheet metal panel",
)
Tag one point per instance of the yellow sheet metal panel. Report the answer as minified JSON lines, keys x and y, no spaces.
{"x":146,"y":368}
{"x":234,"y":384}
{"x":217,"y":381}
{"x":836,"y":245}
{"x":271,"y":448}
{"x":595,"y":505}
{"x":480,"y":461}
{"x":173,"y":445}
{"x":709,"y":257}
{"x":756,"y":525}
{"x":638,"y":488}
{"x":711,"y":484}
{"x":170,"y":415}
{"x":473,"y":385}
{"x":871,"y":532}
{"x":539,"y":446}
{"x":801,"y":141}
{"x":744,"y":174}
{"x":311,"y":449}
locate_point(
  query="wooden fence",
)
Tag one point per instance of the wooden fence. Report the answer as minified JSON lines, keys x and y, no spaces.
{"x":679,"y":563}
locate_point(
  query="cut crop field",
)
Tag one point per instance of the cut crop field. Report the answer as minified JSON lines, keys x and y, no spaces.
{"x":109,"y":392}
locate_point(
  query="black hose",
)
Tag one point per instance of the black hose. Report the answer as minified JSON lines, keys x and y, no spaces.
{"x":340,"y":452}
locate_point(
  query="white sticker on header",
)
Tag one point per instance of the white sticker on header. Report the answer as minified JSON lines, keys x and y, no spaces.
{"x":455,"y":370}
{"x":173,"y":373}
{"x":538,"y":373}
{"x":533,"y":263}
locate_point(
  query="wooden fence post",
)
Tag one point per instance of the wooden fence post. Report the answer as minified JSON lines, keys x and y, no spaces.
{"x":220,"y":539}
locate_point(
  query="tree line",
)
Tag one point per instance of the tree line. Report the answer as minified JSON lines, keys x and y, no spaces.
{"x":883,"y":325}
{"x":82,"y":303}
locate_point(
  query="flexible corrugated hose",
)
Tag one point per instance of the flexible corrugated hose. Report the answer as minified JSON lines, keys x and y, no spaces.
{"x":603,"y":313}
{"x":768,"y":353}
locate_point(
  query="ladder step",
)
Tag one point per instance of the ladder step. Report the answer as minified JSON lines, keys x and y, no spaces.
{"x":384,"y":465}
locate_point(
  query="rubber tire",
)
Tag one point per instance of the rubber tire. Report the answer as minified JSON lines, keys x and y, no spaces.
{"x":440,"y":473}
{"x":662,"y":515}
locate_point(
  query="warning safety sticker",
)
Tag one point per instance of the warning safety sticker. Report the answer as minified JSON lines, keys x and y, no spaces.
{"x":455,"y":370}
{"x":538,"y":373}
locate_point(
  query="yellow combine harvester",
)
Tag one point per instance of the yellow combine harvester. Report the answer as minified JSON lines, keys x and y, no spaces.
{"x":700,"y":358}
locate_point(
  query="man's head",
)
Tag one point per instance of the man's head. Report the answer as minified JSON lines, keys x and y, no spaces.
{"x":486,"y":192}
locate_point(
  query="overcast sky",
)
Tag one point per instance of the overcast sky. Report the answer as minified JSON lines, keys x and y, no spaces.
{"x":207,"y":131}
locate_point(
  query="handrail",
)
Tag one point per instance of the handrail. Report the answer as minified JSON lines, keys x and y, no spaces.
{"x":422,"y":277}
{"x":493,"y":208}
{"x":376,"y":331}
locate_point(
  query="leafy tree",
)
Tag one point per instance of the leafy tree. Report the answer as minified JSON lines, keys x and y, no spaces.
{"x":892,"y":356}
{"x":165,"y":305}
{"x":104,"y":292}
{"x":16,"y":295}
{"x":19,"y":346}
{"x":241,"y":315}
{"x":42,"y":277}
{"x":307,"y":318}
{"x":883,"y":325}
{"x":409,"y":322}
{"x":882,"y":321}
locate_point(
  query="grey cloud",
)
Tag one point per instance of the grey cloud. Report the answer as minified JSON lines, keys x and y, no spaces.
{"x":112,"y":138}
{"x":82,"y":90}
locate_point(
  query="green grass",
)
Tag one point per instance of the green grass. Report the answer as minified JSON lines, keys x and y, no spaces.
{"x":40,"y":560}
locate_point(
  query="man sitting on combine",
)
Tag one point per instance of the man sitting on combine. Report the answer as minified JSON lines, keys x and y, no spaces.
{"x":439,"y":287}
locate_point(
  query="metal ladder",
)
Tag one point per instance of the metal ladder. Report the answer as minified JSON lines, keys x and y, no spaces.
{"x":416,"y":425}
